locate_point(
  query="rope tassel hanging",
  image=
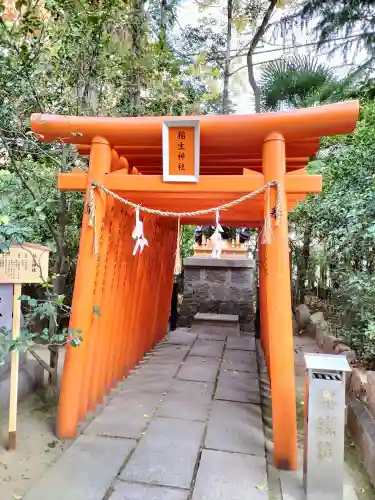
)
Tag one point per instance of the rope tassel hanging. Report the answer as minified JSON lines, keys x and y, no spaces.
{"x":92,"y":219}
{"x":267,"y":228}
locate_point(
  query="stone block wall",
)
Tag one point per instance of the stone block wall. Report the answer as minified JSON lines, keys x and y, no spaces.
{"x":222,"y":286}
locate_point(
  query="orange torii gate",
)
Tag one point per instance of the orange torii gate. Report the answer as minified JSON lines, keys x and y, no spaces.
{"x":238,"y":154}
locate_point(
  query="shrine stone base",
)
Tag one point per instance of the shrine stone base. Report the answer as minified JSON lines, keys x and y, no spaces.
{"x":219,"y":286}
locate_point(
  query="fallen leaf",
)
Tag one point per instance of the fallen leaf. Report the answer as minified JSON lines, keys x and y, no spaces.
{"x":263,"y":487}
{"x":17,"y":497}
{"x":146,"y":416}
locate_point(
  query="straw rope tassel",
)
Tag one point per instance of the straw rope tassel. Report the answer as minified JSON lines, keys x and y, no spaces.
{"x":267,"y":229}
{"x":178,"y":263}
{"x":92,"y":218}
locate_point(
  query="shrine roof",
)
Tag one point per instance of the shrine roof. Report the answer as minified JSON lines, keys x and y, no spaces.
{"x":228,"y":143}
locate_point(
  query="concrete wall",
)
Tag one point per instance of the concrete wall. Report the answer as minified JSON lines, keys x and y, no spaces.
{"x":222,"y":286}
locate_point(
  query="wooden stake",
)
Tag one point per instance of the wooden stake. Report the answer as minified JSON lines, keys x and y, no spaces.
{"x":13,"y":400}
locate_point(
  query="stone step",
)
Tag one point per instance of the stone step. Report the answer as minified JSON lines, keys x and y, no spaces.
{"x":219,"y":324}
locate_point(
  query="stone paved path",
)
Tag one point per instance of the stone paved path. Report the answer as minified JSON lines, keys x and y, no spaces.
{"x":186,"y":425}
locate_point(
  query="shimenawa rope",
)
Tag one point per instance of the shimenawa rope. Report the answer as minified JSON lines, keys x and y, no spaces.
{"x":139,"y":208}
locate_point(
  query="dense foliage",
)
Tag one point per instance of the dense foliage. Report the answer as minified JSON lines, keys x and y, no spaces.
{"x":335,"y":233}
{"x":112,"y":57}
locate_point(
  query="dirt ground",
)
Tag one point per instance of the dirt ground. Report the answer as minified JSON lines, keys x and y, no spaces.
{"x":37,"y":448}
{"x":37,"y":445}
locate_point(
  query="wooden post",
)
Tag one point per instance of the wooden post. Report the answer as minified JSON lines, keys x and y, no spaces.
{"x":75,"y":368}
{"x":15,"y":358}
{"x":279,"y":315}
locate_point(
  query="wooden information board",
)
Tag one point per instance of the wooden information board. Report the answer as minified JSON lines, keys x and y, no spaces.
{"x":27,"y":263}
{"x":181,"y":151}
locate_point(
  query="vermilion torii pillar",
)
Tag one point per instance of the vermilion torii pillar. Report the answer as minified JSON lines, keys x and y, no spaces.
{"x":276,"y":278}
{"x":78,"y":363}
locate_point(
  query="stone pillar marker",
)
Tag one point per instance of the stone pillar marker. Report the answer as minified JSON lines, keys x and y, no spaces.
{"x":324,"y":433}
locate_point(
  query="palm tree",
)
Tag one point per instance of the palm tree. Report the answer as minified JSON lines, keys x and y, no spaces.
{"x":297,"y":82}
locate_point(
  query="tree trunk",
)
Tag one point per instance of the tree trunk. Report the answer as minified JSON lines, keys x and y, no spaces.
{"x":225,"y":100}
{"x":249,"y":58}
{"x":163,"y":24}
{"x":137,"y":26}
{"x":58,"y":285}
{"x":253,"y":84}
{"x":53,"y":363}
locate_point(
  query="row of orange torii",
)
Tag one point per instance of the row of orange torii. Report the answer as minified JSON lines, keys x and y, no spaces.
{"x":226,"y":158}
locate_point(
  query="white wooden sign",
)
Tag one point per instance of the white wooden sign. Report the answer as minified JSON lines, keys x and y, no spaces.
{"x":181,"y":150}
{"x":27,"y":263}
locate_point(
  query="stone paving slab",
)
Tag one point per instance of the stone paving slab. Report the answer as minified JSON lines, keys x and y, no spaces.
{"x":131,"y":491}
{"x":216,"y":318}
{"x":127,"y":421}
{"x":187,"y":400}
{"x":241,"y":387}
{"x":228,"y":331}
{"x":147,"y":377}
{"x":242,"y":361}
{"x":148,"y":386}
{"x":212,"y":336}
{"x":199,"y":369}
{"x":169,"y":349}
{"x":236,"y":427}
{"x":164,"y":359}
{"x":349,"y":492}
{"x":241,"y":343}
{"x":180,"y":337}
{"x":230,"y":476}
{"x":157,"y":369}
{"x":138,"y":395}
{"x":85,"y":471}
{"x":207,"y":348}
{"x":166,"y":454}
